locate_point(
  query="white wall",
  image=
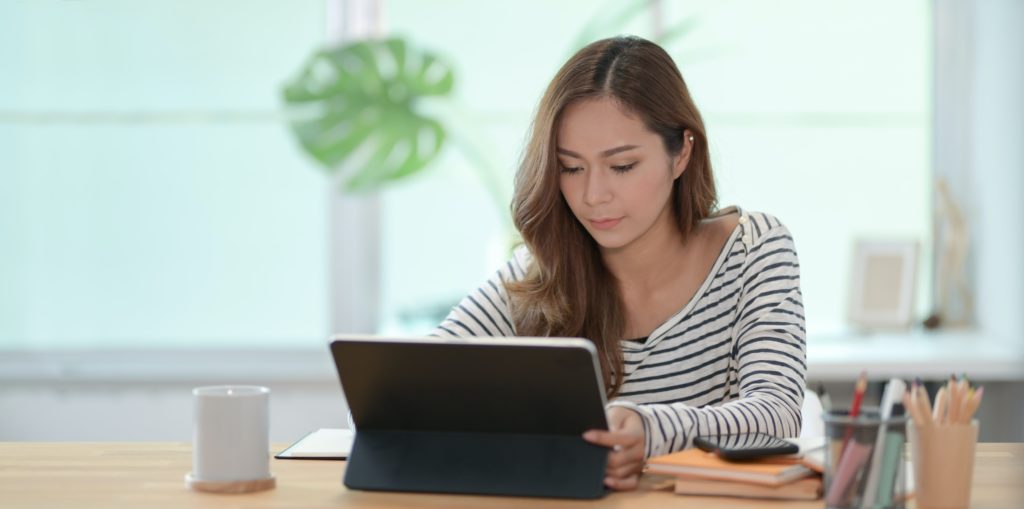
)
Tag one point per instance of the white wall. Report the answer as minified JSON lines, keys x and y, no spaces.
{"x":997,"y":164}
{"x":149,"y":412}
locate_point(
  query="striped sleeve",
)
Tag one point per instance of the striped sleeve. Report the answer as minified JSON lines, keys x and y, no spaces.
{"x":768,"y":346}
{"x":485,"y":311}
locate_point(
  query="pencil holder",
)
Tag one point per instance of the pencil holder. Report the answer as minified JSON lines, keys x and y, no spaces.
{"x":943,"y":456}
{"x":864,"y":460}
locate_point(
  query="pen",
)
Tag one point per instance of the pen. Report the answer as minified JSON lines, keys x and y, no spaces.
{"x":893,"y":392}
{"x":858,"y":394}
{"x":858,"y":397}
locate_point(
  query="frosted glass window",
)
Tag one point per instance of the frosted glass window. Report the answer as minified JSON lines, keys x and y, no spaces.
{"x":818,"y":113}
{"x":151,"y":194}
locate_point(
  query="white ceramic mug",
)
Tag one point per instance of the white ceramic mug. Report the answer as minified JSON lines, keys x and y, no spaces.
{"x":231,"y":433}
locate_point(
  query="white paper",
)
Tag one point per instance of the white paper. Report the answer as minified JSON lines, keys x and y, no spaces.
{"x":812,"y":450}
{"x":322,"y":443}
{"x":807,"y":444}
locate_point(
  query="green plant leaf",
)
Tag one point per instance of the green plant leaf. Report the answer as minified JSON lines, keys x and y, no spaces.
{"x":354,"y":109}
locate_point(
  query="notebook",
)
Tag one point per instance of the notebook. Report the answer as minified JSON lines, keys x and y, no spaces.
{"x":697,"y":463}
{"x":322,"y":444}
{"x":808,"y":488}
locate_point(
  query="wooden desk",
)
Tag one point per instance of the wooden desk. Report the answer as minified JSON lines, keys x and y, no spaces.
{"x":111,"y":475}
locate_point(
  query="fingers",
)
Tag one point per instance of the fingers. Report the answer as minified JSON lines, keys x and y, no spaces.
{"x":626,"y":456}
{"x":626,"y":439}
{"x":622,"y":484}
{"x":611,"y":438}
{"x":624,"y":467}
{"x":625,"y":470}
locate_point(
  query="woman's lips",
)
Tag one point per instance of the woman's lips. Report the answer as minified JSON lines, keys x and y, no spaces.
{"x":605,"y":224}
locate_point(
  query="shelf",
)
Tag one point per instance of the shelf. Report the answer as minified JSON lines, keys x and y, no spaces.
{"x":914,"y":354}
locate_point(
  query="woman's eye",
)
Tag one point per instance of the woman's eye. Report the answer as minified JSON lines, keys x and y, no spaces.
{"x":624,"y":168}
{"x":570,"y":169}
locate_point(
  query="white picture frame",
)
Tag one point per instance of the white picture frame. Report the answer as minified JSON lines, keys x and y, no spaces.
{"x":883,"y":284}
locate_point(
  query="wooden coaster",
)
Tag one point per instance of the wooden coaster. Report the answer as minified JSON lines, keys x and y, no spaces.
{"x":229,"y":486}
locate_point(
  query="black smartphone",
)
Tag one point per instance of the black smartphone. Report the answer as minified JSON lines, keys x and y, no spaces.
{"x":745,"y":446}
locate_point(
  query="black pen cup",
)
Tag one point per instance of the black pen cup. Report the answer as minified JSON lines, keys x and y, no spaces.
{"x":865,"y":460}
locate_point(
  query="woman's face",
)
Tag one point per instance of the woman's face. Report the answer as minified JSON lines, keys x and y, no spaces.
{"x":615,"y":173}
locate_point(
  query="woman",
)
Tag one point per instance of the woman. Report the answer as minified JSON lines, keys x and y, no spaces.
{"x":696,"y":313}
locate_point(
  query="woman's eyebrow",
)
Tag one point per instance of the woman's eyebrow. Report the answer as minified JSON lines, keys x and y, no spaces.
{"x":606,"y":153}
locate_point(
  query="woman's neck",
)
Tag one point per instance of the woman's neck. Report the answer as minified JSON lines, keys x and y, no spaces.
{"x":643,"y":265}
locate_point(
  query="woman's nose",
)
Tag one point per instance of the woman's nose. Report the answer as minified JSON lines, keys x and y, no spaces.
{"x":597,"y":190}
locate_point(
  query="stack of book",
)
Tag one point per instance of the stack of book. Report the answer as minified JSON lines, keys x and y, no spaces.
{"x":697,"y":472}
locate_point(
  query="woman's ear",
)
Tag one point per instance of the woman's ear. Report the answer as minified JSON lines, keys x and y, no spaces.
{"x":683,"y":159}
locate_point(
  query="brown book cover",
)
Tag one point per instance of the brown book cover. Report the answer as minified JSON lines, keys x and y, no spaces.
{"x":808,"y":488}
{"x":773,"y":471}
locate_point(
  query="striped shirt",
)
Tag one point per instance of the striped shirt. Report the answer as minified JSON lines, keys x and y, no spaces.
{"x":732,"y":360}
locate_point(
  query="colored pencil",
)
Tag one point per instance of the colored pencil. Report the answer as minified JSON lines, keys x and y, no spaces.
{"x":951,"y":399}
{"x":972,"y":404}
{"x":940,"y":406}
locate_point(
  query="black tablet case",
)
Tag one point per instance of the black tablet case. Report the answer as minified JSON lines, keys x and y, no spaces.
{"x":472,"y":418}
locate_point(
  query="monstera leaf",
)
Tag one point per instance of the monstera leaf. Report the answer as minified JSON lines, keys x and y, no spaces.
{"x":354,"y":109}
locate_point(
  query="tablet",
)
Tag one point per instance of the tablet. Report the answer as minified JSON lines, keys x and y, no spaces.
{"x":483,"y":415}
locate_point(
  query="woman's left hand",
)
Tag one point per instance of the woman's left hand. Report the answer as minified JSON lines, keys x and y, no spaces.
{"x":625,"y":437}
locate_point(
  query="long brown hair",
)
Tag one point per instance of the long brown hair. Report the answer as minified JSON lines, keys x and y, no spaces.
{"x":567,"y":290}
